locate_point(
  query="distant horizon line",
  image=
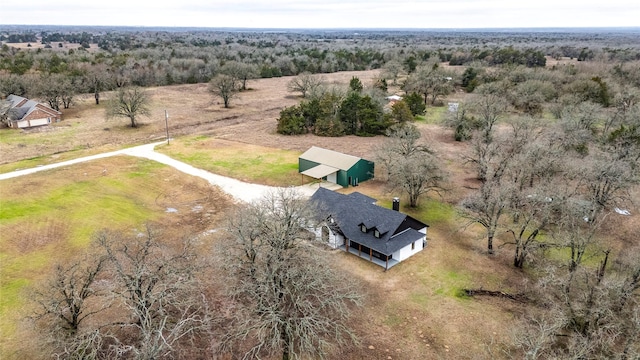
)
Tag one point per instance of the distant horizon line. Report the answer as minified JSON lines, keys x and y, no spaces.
{"x":527,"y":28}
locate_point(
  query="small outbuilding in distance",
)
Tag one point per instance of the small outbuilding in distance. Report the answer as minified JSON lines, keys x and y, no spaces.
{"x":334,"y":167}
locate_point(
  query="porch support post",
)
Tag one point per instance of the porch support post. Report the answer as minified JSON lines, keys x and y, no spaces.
{"x":359,"y":249}
{"x":370,"y":254}
{"x":386,"y":267}
{"x":346,"y":242}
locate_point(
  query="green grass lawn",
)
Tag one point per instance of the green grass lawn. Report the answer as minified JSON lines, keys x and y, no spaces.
{"x":250,"y":163}
{"x":448,"y":280}
{"x":433,"y":115}
{"x":429,"y":210}
{"x":49,"y":217}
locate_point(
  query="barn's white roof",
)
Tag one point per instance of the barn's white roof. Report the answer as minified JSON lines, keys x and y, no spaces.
{"x":329,"y":157}
{"x":320,"y":171}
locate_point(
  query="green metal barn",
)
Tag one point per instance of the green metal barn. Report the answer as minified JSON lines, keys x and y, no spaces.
{"x":335,"y":167}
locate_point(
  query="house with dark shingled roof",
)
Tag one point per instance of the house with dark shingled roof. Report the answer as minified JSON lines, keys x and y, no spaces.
{"x":354,"y":223}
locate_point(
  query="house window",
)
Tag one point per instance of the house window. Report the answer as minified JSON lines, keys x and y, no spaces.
{"x":413,"y":245}
{"x":376,"y":233}
{"x":363,"y":228}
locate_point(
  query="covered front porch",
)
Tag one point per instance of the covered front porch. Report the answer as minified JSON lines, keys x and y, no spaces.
{"x":388,"y":264}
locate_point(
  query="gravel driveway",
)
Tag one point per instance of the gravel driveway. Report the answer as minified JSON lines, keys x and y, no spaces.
{"x":239,"y":190}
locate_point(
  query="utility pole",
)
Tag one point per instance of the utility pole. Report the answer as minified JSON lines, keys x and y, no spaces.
{"x":166,"y":124}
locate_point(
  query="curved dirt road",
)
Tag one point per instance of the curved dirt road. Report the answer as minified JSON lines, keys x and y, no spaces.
{"x":239,"y":190}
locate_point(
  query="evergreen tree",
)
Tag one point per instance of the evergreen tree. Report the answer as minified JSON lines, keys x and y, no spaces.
{"x":355,"y":84}
{"x":415,"y":103}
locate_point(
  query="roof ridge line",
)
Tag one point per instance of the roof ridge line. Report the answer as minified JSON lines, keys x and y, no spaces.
{"x":401,"y":232}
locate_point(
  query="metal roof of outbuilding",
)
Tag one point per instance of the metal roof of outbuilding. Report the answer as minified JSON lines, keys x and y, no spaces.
{"x":320,"y":171}
{"x":330,"y":158}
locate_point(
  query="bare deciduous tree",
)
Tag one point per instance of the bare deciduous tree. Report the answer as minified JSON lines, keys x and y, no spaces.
{"x":289,"y":302}
{"x":157,"y":286}
{"x":533,"y":211}
{"x":597,"y":310}
{"x":97,"y":79}
{"x":486,"y":207}
{"x":51,"y":88}
{"x":410,"y":164}
{"x":392,"y":70}
{"x":537,"y":334}
{"x":130,"y":103}
{"x":429,"y":80}
{"x":305,"y":83}
{"x":418,"y":175}
{"x":65,"y":301}
{"x":402,"y":140}
{"x":495,"y":156}
{"x":241,"y":71}
{"x":140,"y":293}
{"x":574,"y":231}
{"x":489,"y":108}
{"x":532,"y":168}
{"x":605,"y":181}
{"x":64,"y":298}
{"x":224,"y":86}
{"x":577,"y":125}
{"x":482,"y":156}
{"x":536,"y":159}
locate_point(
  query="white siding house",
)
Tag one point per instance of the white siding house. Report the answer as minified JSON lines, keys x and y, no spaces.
{"x":355,"y":224}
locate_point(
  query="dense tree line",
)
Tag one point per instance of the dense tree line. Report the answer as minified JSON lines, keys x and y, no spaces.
{"x":160,"y":57}
{"x":19,"y":38}
{"x":547,"y":187}
{"x":499,"y":56}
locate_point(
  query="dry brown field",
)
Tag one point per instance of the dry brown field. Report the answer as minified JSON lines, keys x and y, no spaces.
{"x":192,"y":109}
{"x":66,"y":46}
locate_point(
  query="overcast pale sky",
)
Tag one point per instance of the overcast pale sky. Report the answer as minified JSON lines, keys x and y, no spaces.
{"x":326,"y":13}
